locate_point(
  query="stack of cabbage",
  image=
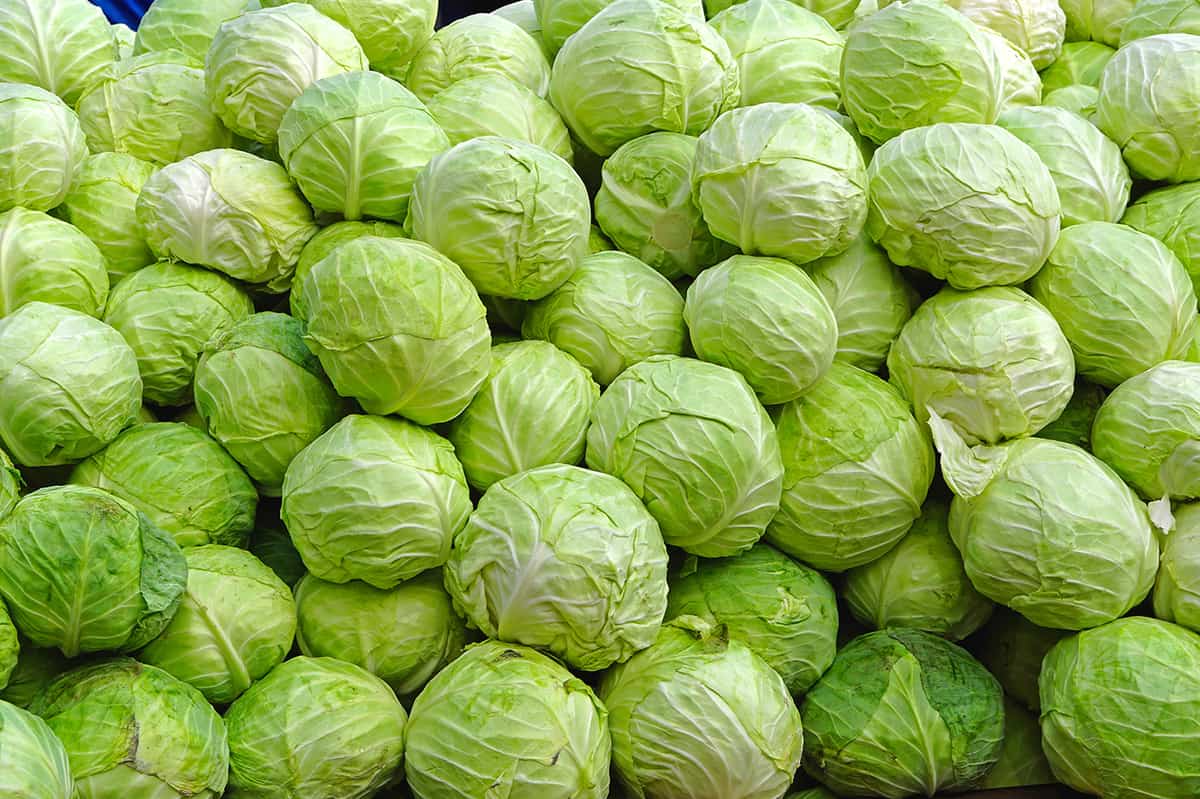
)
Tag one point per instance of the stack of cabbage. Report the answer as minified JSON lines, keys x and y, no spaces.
{"x":593,"y":398}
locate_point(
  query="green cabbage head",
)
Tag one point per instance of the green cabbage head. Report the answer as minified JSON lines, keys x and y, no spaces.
{"x":992,"y":362}
{"x":70,"y":384}
{"x":230,"y":211}
{"x":479,"y":44}
{"x":916,"y":63}
{"x":785,"y":53}
{"x":262,"y":395}
{"x":185,"y":25}
{"x":41,"y":142}
{"x":390,"y":31}
{"x":168,"y":312}
{"x":781,"y":179}
{"x":59,"y":45}
{"x":376,"y":499}
{"x":43,"y":259}
{"x":1092,"y":554}
{"x":159,"y":738}
{"x":784,"y":611}
{"x":315,"y":727}
{"x":698,"y":714}
{"x":1148,"y":431}
{"x":613,"y":311}
{"x":514,"y":216}
{"x":301,"y":44}
{"x":1093,"y":182}
{"x":235,"y":624}
{"x":85,"y":571}
{"x":693,"y":442}
{"x":1147,"y":94}
{"x":563,"y":559}
{"x":765,"y":318}
{"x":532,"y":411}
{"x":33,"y":761}
{"x":1035,"y":27}
{"x":1123,"y":299}
{"x":970,"y":204}
{"x":1080,"y":63}
{"x":180,"y":478}
{"x":503,"y":717}
{"x":902,"y":712}
{"x":870,"y":299}
{"x":639,"y":66}
{"x":102,"y":204}
{"x":354,"y":142}
{"x":1177,"y":590}
{"x":153,"y":107}
{"x":397,"y":326}
{"x":857,"y":467}
{"x":1171,"y":215}
{"x":496,"y":105}
{"x":919,"y":583}
{"x":404,"y":635}
{"x":1120,"y":708}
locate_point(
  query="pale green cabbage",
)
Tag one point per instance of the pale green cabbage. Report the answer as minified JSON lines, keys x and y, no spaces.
{"x":1120,"y":708}
{"x":645,"y":205}
{"x":902,"y":712}
{"x":1090,"y":553}
{"x":70,"y":384}
{"x":404,"y":635}
{"x":300,"y":44}
{"x":1124,"y":300}
{"x":102,"y":205}
{"x":784,"y":52}
{"x":43,"y":259}
{"x":180,"y":478}
{"x":857,"y":468}
{"x":262,"y":395}
{"x":496,"y":105}
{"x":614,"y":311}
{"x":1147,"y":97}
{"x":562,"y":559}
{"x":951,"y":358}
{"x":919,"y":583}
{"x":235,"y":624}
{"x":85,"y":571}
{"x":970,"y":204}
{"x":230,"y":211}
{"x":315,"y":727}
{"x":781,"y":179}
{"x":375,"y":499}
{"x":870,"y":298}
{"x":784,"y":611}
{"x":397,"y":326}
{"x":765,"y":318}
{"x":514,"y":216}
{"x":693,"y":442}
{"x":639,"y":66}
{"x":507,"y":718}
{"x":59,"y":45}
{"x":42,"y":144}
{"x":152,"y":107}
{"x":533,"y":410}
{"x":697,"y":714}
{"x":479,"y":44}
{"x":167,"y":313}
{"x":354,"y":143}
{"x":917,"y":63}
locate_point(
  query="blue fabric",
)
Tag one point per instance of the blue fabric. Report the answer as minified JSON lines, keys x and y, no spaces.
{"x":126,"y":11}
